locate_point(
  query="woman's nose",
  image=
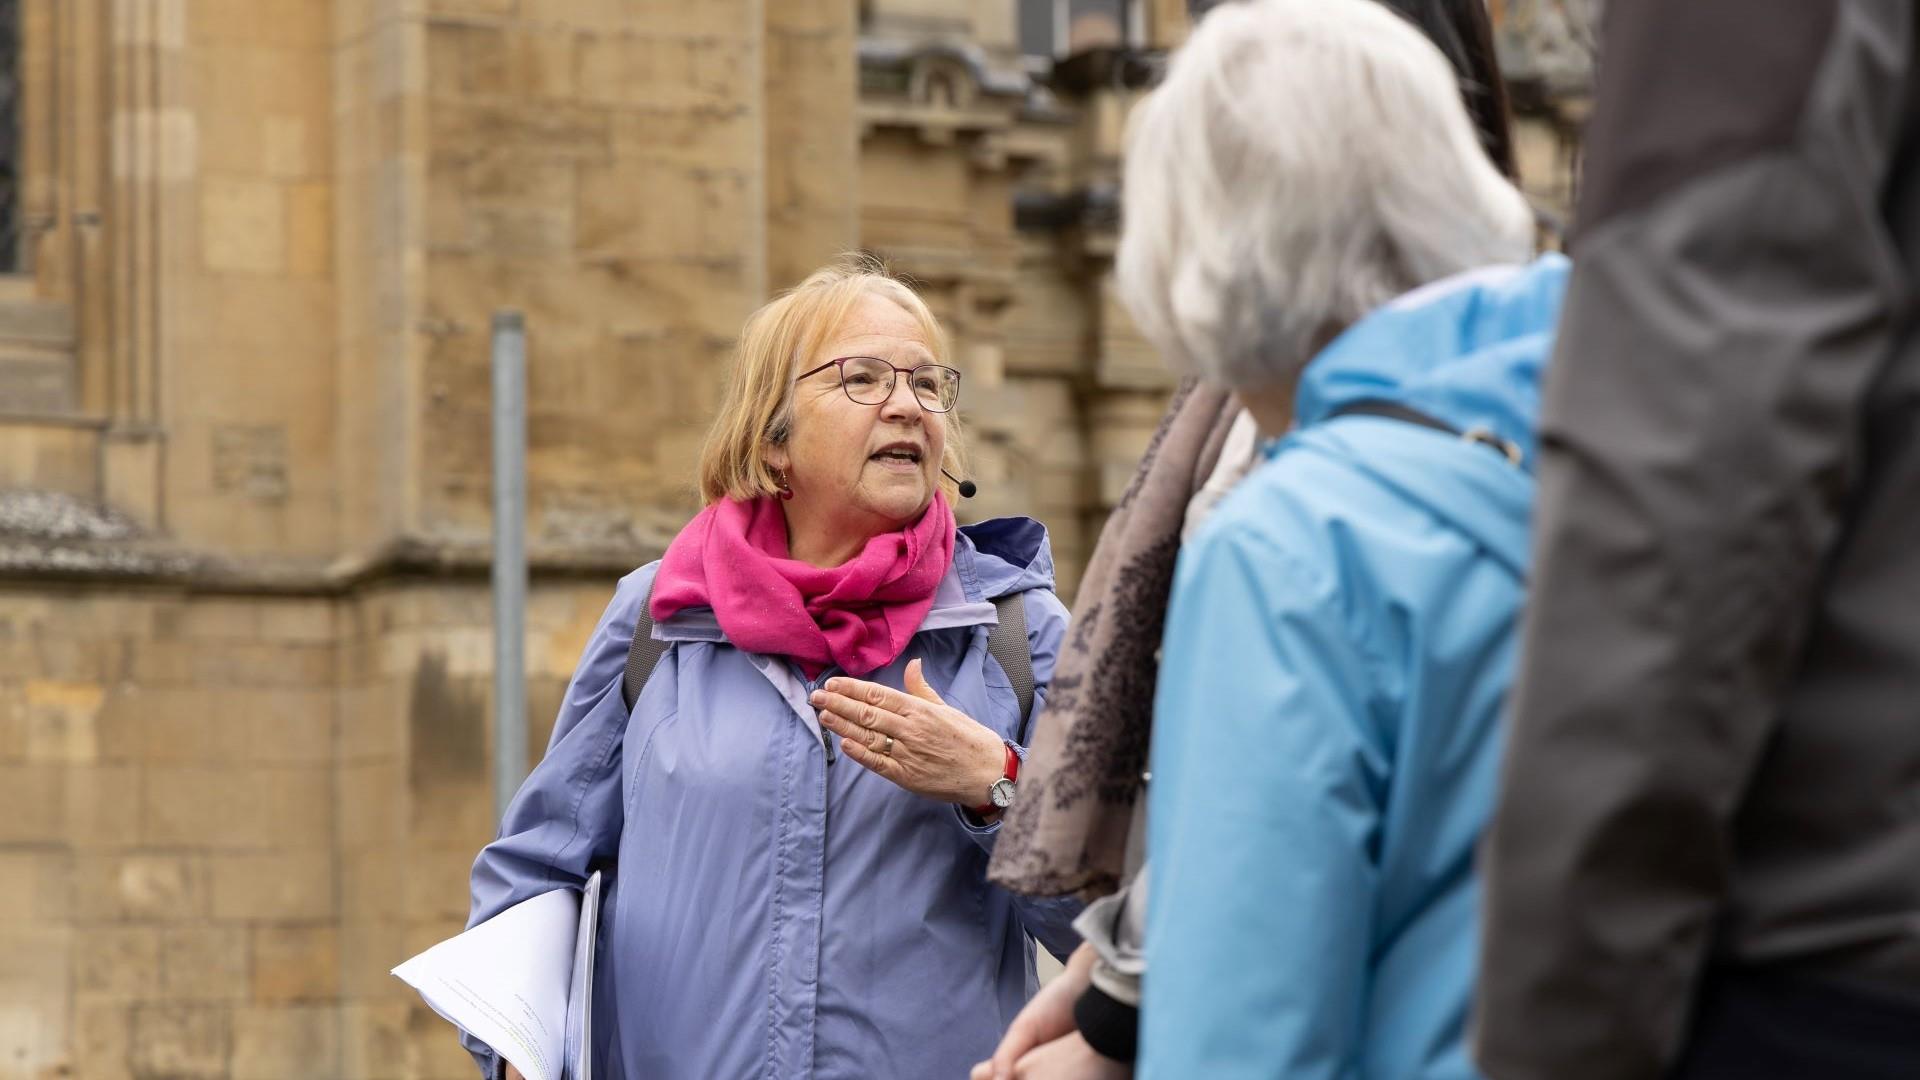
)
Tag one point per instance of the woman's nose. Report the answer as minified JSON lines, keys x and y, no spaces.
{"x":900,"y":403}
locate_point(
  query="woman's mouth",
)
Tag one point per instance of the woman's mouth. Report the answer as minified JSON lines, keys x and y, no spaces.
{"x":902,"y":458}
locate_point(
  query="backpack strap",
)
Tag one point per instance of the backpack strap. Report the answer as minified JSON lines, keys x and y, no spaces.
{"x":642,"y":655}
{"x":1008,"y":644}
{"x":1393,"y":410}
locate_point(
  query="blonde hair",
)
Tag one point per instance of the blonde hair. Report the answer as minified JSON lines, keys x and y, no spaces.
{"x":757,"y":409}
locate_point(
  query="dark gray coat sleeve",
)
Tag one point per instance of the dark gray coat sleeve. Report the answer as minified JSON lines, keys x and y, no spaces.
{"x":1737,"y":289}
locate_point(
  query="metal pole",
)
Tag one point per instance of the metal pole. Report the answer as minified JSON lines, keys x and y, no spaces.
{"x":509,"y":557}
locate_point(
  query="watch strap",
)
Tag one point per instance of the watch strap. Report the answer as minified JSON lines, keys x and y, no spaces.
{"x":1011,"y":772}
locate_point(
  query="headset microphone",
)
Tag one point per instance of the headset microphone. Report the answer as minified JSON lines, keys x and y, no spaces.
{"x":967,"y":487}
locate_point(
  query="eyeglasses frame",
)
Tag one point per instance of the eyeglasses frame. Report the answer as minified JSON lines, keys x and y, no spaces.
{"x":841,"y":363}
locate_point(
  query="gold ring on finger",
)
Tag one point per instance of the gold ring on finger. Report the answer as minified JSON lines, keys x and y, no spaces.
{"x":888,"y":749}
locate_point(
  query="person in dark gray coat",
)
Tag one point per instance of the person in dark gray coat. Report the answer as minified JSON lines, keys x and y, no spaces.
{"x":1706,"y":861}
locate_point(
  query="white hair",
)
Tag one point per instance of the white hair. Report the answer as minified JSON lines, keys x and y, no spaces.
{"x":1304,"y":162}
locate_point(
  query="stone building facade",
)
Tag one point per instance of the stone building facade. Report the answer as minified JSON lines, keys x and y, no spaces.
{"x":252,"y":250}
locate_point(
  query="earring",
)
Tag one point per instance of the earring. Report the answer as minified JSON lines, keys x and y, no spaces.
{"x":780,"y":481}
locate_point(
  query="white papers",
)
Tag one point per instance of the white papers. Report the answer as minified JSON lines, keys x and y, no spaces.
{"x":521,"y":982}
{"x":580,"y":992}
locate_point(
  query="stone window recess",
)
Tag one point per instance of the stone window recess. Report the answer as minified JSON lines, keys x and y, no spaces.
{"x":1053,"y":29}
{"x":11,"y":248}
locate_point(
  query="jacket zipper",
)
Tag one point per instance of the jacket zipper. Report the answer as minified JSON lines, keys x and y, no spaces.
{"x":826,"y":739}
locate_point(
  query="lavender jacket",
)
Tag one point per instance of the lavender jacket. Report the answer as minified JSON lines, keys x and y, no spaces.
{"x":777,"y":910}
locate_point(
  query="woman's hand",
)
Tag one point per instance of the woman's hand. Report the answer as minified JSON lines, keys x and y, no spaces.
{"x":1047,"y":1017}
{"x":1066,"y":1058}
{"x":935,"y":750}
{"x":1042,"y":1043}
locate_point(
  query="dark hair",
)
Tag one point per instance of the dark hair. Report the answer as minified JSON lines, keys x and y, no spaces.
{"x":1463,"y":31}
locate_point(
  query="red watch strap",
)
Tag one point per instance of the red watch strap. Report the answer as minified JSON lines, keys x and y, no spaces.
{"x":1012,"y":773}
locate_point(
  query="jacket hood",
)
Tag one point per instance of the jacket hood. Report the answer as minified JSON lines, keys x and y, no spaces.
{"x":1001,"y":556}
{"x":1468,"y":350}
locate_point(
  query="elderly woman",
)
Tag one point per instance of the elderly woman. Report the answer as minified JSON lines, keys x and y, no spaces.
{"x":802,"y":800}
{"x":1076,"y":828}
{"x":1311,"y":222}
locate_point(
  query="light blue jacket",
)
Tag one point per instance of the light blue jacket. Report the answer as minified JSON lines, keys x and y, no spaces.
{"x":778,"y":911}
{"x":1326,"y":738}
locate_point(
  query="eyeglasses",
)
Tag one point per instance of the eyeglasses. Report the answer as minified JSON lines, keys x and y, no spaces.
{"x":869,"y":381}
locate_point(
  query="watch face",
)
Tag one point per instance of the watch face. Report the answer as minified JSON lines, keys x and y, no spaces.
{"x":1001,"y":793}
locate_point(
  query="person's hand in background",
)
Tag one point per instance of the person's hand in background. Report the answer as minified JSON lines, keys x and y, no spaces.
{"x":1042,"y":1041}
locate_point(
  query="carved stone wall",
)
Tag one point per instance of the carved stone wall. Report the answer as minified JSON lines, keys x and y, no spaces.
{"x":244,"y":417}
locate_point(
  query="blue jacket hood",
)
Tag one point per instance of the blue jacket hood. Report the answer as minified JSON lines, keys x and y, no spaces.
{"x":1001,"y":556}
{"x":1469,"y":350}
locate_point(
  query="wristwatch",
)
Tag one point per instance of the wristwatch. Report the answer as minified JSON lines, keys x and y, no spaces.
{"x":1000,"y":795}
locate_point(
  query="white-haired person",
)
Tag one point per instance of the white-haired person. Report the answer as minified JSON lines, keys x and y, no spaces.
{"x":1310,"y":220}
{"x":798,"y":804}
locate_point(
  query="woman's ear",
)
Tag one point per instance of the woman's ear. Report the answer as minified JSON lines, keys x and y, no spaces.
{"x":776,"y":456}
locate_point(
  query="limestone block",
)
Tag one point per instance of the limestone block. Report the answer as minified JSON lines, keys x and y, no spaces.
{"x":39,"y":887}
{"x":34,"y":1000}
{"x":295,"y":963}
{"x":472,"y":7}
{"x":496,"y":60}
{"x":369,"y":800}
{"x":452,"y":816}
{"x":103,"y":1040}
{"x":513,"y":178}
{"x":230,"y":143}
{"x":243,"y":226}
{"x":238,"y":807}
{"x":187,"y":1042}
{"x":310,"y":230}
{"x":433,"y":1049}
{"x":205,"y":963}
{"x":182,"y":724}
{"x":140,"y":887}
{"x":13,"y":722}
{"x":102,"y":807}
{"x":559,"y":130}
{"x":369,"y":889}
{"x":288,"y":148}
{"x":163,"y":661}
{"x":372,"y":724}
{"x":32,"y":804}
{"x":270,"y":23}
{"x":246,"y":314}
{"x":285,"y":1043}
{"x":62,"y":721}
{"x":374,"y":1039}
{"x":305,"y":622}
{"x":667,"y":70}
{"x":272,"y":886}
{"x":256,"y":664}
{"x":131,"y":478}
{"x":117,"y":963}
{"x":437,"y":881}
{"x":522,"y":231}
{"x":705,"y":135}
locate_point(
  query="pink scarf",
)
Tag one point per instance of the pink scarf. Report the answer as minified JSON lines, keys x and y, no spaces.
{"x":732,"y":557}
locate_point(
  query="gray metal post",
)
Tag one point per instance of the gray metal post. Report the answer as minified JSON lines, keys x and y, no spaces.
{"x":509,"y":557}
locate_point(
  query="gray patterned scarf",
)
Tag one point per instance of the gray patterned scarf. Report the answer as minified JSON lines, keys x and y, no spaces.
{"x":1067,"y":832}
